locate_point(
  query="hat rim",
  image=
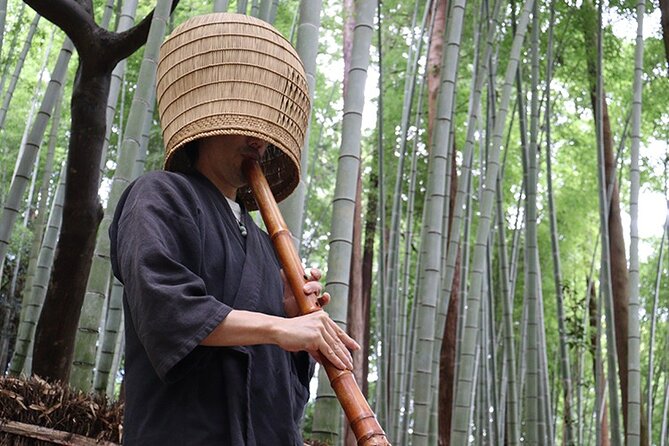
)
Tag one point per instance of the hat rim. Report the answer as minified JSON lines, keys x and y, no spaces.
{"x":280,"y":191}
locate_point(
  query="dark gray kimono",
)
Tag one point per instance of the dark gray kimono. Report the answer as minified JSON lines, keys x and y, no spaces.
{"x":177,"y":248}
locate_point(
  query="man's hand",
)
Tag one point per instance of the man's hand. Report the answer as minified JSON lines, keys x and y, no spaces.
{"x":320,"y":336}
{"x":316,"y":332}
{"x":312,"y":289}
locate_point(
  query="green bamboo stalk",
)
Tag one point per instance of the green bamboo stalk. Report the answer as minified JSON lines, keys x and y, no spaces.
{"x":20,"y":363}
{"x":395,"y":296}
{"x":406,"y":327}
{"x":3,"y":15}
{"x":605,"y":273}
{"x":17,"y":70}
{"x":221,"y":5}
{"x":39,"y":226}
{"x":292,"y":208}
{"x":653,"y":324}
{"x":327,"y":412}
{"x":255,"y":8}
{"x":112,"y":330}
{"x":493,"y":407}
{"x":12,"y":46}
{"x":81,"y":375}
{"x":10,"y":302}
{"x":432,"y":227}
{"x":464,"y":181}
{"x":37,"y":94}
{"x":34,"y":140}
{"x":381,"y":400}
{"x":464,"y":388}
{"x":446,"y":282}
{"x":119,"y":348}
{"x":482,"y":377}
{"x":633,"y":338}
{"x":511,"y":411}
{"x":600,"y":380}
{"x":535,"y":421}
{"x":545,"y":395}
{"x":40,"y":220}
{"x":665,"y":413}
{"x":565,"y":367}
{"x":265,"y":10}
{"x":126,"y":20}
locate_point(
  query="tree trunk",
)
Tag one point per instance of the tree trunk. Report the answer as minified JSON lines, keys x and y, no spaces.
{"x":99,"y":51}
{"x":447,"y":362}
{"x":664,"y":20}
{"x":82,"y":213}
{"x":434,"y":56}
{"x":449,"y":339}
{"x":619,"y":274}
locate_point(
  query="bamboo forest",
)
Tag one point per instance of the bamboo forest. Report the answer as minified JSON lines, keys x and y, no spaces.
{"x":484,"y":184}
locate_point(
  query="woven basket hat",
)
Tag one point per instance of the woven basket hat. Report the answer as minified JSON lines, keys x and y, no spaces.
{"x":231,"y":74}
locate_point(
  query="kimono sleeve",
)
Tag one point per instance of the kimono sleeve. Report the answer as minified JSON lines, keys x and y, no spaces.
{"x":156,"y":253}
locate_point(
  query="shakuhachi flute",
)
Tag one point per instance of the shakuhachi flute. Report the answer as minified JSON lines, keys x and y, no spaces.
{"x":363,"y":422}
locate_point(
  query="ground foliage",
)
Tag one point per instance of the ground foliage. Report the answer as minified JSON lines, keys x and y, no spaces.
{"x":38,"y":402}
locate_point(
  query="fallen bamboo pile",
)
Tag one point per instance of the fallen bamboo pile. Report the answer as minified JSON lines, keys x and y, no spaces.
{"x":34,"y":412}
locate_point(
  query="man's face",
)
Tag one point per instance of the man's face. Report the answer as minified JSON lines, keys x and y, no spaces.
{"x":220,"y":159}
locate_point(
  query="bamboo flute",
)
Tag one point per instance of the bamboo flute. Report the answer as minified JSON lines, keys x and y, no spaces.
{"x":360,"y":416}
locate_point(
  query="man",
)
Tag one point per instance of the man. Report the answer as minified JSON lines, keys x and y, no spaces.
{"x":214,"y":355}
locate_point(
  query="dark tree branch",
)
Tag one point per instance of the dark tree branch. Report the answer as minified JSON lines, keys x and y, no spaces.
{"x":75,"y":18}
{"x":124,"y":44}
{"x":68,"y":15}
{"x":664,"y":21}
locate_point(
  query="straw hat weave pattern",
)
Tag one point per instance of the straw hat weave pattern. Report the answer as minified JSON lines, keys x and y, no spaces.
{"x":231,"y":74}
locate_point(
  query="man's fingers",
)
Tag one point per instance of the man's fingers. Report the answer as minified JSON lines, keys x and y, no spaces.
{"x":324,"y":299}
{"x":314,"y":274}
{"x":312,"y":288}
{"x":336,"y":340}
{"x":336,"y":352}
{"x":348,"y":341}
